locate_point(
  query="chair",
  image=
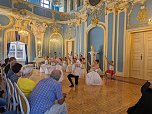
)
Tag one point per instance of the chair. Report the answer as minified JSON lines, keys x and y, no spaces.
{"x":1,"y":72}
{"x":8,"y":94}
{"x":24,"y":107}
{"x":11,"y":92}
{"x":4,"y":80}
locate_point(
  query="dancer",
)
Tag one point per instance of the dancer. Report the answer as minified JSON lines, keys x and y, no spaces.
{"x":111,"y":69}
{"x":74,"y":73}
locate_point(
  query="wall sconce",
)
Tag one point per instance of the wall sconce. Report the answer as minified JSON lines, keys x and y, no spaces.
{"x":150,"y":21}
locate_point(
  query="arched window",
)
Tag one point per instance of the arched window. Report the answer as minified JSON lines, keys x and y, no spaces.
{"x":17,"y":50}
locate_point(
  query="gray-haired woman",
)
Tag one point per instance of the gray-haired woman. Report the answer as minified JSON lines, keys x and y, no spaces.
{"x":25,"y":84}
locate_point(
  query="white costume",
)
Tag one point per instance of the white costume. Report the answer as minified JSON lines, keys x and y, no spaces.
{"x":84,"y":71}
{"x":59,"y":67}
{"x":93,"y":78}
{"x":46,"y":62}
{"x":77,"y":70}
{"x":69,"y":68}
{"x":64,"y":64}
{"x":44,"y":66}
{"x":111,"y":67}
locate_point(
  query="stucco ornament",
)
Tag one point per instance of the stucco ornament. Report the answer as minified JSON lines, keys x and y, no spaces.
{"x":143,"y":15}
{"x":38,"y":30}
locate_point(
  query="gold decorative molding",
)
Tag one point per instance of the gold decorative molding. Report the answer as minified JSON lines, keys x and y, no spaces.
{"x":11,"y":23}
{"x":95,"y":20}
{"x":137,"y":25}
{"x":140,"y":18}
{"x":143,"y":15}
{"x":16,"y":2}
{"x":38,"y":30}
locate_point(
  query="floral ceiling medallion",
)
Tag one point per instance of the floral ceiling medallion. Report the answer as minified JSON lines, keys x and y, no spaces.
{"x":94,"y":2}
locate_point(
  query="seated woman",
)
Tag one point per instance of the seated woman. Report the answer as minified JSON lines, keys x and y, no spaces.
{"x":25,"y":84}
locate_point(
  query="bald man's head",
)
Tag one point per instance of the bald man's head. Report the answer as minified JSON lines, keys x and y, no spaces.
{"x":56,"y":74}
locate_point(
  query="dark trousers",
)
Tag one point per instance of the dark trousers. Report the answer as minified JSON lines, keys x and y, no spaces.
{"x":73,"y":76}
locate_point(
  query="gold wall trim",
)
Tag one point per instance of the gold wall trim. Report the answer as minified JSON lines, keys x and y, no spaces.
{"x":11,"y":23}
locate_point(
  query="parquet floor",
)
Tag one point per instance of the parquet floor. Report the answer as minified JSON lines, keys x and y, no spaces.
{"x":114,"y":97}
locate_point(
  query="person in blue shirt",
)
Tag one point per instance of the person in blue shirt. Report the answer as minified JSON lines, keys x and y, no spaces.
{"x":47,"y":91}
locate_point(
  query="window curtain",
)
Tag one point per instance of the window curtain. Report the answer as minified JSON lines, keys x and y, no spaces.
{"x":11,"y":36}
{"x":26,"y":52}
{"x":19,"y":38}
{"x":8,"y":47}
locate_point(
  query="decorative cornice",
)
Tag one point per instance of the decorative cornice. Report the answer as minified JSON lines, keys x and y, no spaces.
{"x":11,"y":23}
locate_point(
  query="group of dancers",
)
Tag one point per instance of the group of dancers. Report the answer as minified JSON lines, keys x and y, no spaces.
{"x":75,"y":67}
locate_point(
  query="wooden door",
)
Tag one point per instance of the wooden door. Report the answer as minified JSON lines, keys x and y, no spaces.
{"x":137,"y":48}
{"x":148,"y":56}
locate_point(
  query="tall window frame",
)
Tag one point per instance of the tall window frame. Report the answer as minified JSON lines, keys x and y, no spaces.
{"x":71,"y":5}
{"x":46,"y":3}
{"x":17,"y":50}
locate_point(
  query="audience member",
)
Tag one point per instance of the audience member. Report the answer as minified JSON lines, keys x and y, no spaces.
{"x":47,"y":91}
{"x":6,"y":62}
{"x":16,"y":69}
{"x":25,"y":84}
{"x":8,"y":70}
{"x":144,"y":104}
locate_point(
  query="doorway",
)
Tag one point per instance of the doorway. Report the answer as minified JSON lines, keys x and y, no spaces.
{"x":141,"y":55}
{"x":70,"y":47}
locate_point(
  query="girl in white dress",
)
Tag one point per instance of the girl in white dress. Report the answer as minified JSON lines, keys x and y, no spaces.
{"x":64,"y":64}
{"x":44,"y":66}
{"x":93,"y":77}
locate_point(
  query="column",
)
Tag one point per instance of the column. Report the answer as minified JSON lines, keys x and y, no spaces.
{"x":68,"y":5}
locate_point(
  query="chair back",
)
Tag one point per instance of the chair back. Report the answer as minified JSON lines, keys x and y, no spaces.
{"x":24,"y":107}
{"x":4,"y":82}
{"x":2,"y":71}
{"x":12,"y":94}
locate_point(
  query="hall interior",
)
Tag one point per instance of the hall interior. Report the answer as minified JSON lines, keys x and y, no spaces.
{"x":117,"y":31}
